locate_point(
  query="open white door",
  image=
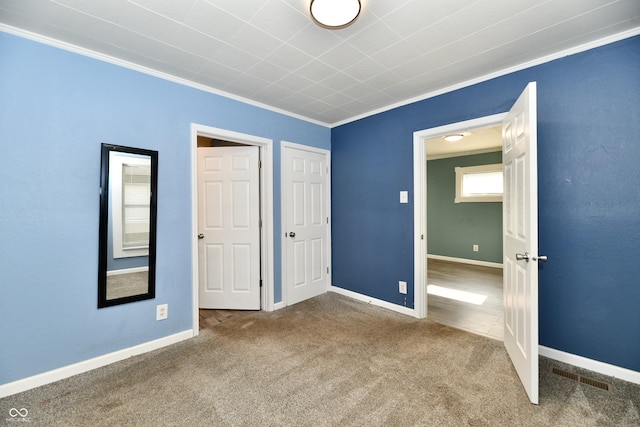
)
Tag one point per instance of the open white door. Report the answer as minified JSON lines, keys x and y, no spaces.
{"x":520,"y":223}
{"x":228,"y":223}
{"x":306,"y":222}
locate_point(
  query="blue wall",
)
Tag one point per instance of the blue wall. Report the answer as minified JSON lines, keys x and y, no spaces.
{"x":56,"y":108}
{"x":589,"y":197}
{"x":453,"y":228}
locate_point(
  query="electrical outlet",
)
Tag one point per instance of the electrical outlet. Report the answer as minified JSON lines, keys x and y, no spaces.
{"x":475,"y":248}
{"x":162,"y":311}
{"x":402,"y":287}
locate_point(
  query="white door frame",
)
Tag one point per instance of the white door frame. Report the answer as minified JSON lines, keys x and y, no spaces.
{"x":266,"y":195}
{"x":327,"y":154}
{"x":420,"y":199}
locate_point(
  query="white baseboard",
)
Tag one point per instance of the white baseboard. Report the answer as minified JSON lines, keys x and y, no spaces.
{"x":278,"y":305}
{"x":374,"y":301}
{"x":466,"y":261}
{"x":90,"y":364}
{"x":561,"y":356}
{"x":591,"y":365}
{"x":127,"y":271}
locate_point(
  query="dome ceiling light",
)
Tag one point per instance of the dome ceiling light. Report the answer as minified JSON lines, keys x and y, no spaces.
{"x":334,"y":14}
{"x":454,"y":137}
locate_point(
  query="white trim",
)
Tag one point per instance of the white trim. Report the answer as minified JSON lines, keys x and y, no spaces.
{"x":90,"y":364}
{"x":419,"y":226}
{"x":466,"y":261}
{"x":461,"y":171}
{"x":145,"y":70}
{"x":117,"y":161}
{"x":327,"y":154}
{"x":374,"y":301}
{"x":126,"y":64}
{"x":420,"y":199}
{"x":519,"y":67}
{"x":464,"y":153}
{"x":127,"y":271}
{"x":266,"y":192}
{"x":278,"y":306}
{"x":590,"y":364}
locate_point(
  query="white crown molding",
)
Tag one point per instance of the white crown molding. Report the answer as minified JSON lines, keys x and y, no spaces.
{"x":464,"y":153}
{"x":126,"y":64}
{"x":542,"y":60}
{"x":145,"y":70}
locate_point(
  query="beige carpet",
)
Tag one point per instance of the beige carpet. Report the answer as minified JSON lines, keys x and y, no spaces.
{"x":329,"y":361}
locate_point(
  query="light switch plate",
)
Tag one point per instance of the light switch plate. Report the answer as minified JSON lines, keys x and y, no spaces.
{"x":404,"y":197}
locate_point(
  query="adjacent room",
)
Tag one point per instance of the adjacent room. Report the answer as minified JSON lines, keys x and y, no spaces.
{"x":464,"y":230}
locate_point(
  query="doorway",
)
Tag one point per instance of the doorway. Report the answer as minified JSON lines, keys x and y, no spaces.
{"x":520,"y":229}
{"x":265,"y":147}
{"x":464,"y":230}
{"x":420,"y":198}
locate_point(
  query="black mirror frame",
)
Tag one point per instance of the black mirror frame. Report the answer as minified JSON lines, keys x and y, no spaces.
{"x":104,"y":218}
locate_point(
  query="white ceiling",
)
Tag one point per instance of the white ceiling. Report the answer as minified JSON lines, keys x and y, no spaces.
{"x":475,"y":141}
{"x":270,"y":52}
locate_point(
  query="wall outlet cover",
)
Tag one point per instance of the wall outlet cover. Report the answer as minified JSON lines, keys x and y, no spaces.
{"x":162,"y":311}
{"x":402,"y":287}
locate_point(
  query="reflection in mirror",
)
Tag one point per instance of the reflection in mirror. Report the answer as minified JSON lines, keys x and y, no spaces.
{"x":127,"y":225}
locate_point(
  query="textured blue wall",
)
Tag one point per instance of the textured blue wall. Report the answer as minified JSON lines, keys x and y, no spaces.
{"x":589,"y":196}
{"x":56,"y":108}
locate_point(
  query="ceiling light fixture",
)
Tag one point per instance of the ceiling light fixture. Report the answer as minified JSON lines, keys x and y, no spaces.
{"x":454,"y":137}
{"x":334,"y":14}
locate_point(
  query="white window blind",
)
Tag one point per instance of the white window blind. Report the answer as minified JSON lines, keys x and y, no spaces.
{"x":136,"y":184}
{"x":130,"y":204}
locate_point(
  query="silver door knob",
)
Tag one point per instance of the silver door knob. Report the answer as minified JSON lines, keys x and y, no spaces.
{"x":200,"y":236}
{"x":541,"y":258}
{"x":524,"y":256}
{"x":292,"y":234}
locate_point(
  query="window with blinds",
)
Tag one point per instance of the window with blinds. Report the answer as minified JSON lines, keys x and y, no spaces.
{"x":136,"y":186}
{"x":130,"y":204}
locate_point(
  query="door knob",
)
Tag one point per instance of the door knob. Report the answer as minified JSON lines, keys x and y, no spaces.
{"x":200,"y":236}
{"x":526,"y":257}
{"x":292,"y":234}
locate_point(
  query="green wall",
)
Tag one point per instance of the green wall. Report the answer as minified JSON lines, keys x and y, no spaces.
{"x":453,"y":228}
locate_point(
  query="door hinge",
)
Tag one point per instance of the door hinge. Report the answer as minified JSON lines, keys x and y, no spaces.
{"x":259,"y":223}
{"x":259,"y":164}
{"x":327,"y":220}
{"x":260,"y":282}
{"x":327,"y":270}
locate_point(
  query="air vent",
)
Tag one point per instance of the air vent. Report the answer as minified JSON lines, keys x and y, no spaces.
{"x":581,"y":379}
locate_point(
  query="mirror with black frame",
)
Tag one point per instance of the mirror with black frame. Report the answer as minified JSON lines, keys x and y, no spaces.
{"x":128,"y":204}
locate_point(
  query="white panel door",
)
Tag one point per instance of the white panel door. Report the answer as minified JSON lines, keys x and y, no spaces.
{"x":306,"y":217}
{"x":520,"y":223}
{"x":228,"y":223}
